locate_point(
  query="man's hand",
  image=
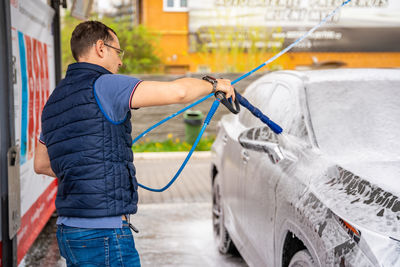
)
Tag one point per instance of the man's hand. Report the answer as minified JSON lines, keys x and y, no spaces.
{"x":225,"y":86}
{"x":41,"y":161}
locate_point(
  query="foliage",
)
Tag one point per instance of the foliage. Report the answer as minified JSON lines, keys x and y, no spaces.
{"x":137,"y":42}
{"x":68,"y":25}
{"x":237,"y":48}
{"x":172,"y":145}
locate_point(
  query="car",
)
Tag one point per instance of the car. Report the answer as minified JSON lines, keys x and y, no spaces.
{"x":325,"y":192}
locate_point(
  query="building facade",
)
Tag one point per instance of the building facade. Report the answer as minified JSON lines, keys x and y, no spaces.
{"x":216,"y":35}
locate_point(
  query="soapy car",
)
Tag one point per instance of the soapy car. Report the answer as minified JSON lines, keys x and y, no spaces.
{"x":326,"y":191}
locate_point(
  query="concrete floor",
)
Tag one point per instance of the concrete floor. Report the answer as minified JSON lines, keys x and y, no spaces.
{"x":171,"y":234}
{"x":157,"y":169}
{"x":178,"y":234}
{"x":175,"y":226}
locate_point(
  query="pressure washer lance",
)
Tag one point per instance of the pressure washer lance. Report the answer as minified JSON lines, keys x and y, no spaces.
{"x":245,"y":103}
{"x":220,"y":97}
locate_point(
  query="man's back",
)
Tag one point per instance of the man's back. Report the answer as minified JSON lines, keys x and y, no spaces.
{"x":90,"y":155}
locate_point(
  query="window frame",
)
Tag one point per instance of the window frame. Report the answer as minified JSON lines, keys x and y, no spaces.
{"x":249,"y":121}
{"x":176,"y":8}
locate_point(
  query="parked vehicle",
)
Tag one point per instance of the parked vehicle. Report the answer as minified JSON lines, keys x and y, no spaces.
{"x":326,"y":191}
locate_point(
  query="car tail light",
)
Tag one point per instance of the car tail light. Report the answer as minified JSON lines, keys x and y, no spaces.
{"x":352,"y":231}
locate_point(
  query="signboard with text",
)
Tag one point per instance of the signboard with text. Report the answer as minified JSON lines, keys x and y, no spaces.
{"x":360,"y":26}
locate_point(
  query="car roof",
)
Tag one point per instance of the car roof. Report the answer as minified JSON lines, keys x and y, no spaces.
{"x":337,"y":75}
{"x":353,"y":75}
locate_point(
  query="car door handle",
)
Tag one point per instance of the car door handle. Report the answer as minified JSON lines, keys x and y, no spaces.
{"x":245,"y":156}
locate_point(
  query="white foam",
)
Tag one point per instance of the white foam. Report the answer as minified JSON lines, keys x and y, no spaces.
{"x":358,"y":121}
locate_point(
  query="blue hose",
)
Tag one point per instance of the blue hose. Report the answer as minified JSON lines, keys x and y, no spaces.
{"x":207,"y":120}
{"x":170,"y":117}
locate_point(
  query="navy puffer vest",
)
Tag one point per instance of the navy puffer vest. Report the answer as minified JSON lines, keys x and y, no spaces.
{"x":90,"y":155}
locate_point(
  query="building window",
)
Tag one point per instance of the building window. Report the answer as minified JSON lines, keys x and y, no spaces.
{"x":175,"y":5}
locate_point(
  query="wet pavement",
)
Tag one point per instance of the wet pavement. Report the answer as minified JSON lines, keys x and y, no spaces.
{"x":156,"y":170}
{"x":178,"y":234}
{"x":175,"y":226}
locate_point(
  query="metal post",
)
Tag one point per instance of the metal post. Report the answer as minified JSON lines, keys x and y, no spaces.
{"x":55,"y":4}
{"x":7,"y":139}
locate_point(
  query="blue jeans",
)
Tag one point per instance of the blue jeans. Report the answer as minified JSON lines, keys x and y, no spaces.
{"x":97,"y":247}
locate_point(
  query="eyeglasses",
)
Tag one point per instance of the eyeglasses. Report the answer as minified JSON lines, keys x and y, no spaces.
{"x":120,"y":52}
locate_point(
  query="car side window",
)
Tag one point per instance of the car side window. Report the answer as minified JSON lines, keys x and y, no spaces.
{"x":280,"y":106}
{"x":258,"y":97}
{"x":284,"y":109}
{"x":280,"y":103}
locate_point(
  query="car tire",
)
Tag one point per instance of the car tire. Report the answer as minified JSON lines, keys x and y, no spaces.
{"x":302,"y":258}
{"x":221,"y":235}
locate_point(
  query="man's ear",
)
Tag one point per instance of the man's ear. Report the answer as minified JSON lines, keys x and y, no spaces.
{"x":100,"y":48}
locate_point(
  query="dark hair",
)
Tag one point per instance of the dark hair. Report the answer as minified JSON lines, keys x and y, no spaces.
{"x":86,"y":34}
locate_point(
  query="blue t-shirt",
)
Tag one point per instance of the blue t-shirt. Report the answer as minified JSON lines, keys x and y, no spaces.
{"x":113,"y":93}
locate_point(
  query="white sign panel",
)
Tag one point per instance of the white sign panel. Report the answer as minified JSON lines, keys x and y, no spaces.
{"x":33,"y":80}
{"x":362,"y":25}
{"x":33,"y":63}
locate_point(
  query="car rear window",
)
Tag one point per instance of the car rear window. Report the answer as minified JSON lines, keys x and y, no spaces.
{"x":356,"y":120}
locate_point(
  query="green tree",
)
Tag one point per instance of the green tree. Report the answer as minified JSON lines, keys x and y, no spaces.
{"x":139,"y":46}
{"x":137,"y":42}
{"x":68,"y":25}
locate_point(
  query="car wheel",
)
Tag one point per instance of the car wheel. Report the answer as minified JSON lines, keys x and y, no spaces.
{"x":302,"y":258}
{"x":224,"y":242}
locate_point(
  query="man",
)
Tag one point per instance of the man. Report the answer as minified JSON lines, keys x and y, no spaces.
{"x":86,"y":144}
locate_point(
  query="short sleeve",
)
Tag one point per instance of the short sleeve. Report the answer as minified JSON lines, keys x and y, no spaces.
{"x":41,"y":139}
{"x":113,"y":93}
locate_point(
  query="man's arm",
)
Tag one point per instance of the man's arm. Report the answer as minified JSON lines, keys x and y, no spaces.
{"x":150,"y":93}
{"x":41,"y":161}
